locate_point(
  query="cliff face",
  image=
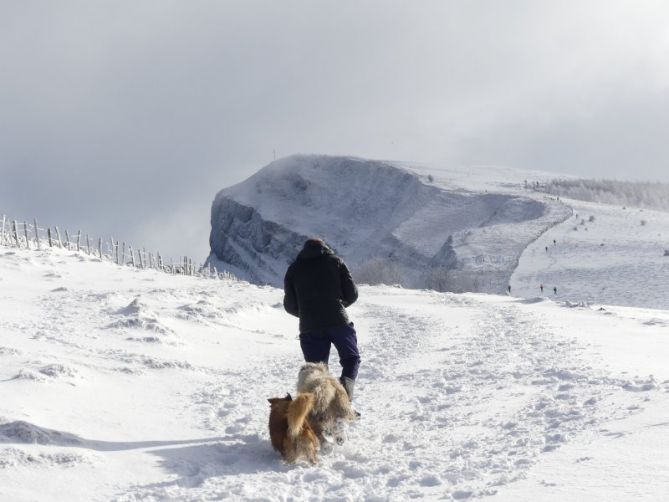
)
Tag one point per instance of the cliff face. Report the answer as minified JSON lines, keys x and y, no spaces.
{"x":243,"y":242}
{"x":388,"y":223}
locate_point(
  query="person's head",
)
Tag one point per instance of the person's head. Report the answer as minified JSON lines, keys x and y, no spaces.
{"x":314,"y":242}
{"x":313,"y":247}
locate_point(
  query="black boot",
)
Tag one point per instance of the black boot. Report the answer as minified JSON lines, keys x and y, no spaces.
{"x":349,"y":385}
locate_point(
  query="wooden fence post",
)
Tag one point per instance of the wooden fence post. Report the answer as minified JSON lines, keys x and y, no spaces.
{"x":132,"y":257}
{"x":117,"y":246}
{"x":100,"y":247}
{"x":25,"y":231}
{"x":2,"y":235}
{"x":88,"y":245}
{"x":139,"y":254}
{"x":160,"y":261}
{"x":67,"y":239}
{"x":60,"y":242}
{"x":48,"y":234}
{"x":79,"y":240}
{"x":39,"y":246}
{"x":16,"y":235}
{"x":123,"y":256}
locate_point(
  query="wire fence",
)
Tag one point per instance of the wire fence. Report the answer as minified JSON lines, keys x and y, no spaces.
{"x":25,"y":235}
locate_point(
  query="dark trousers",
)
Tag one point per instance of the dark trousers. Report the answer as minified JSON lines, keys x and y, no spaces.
{"x":316,"y":348}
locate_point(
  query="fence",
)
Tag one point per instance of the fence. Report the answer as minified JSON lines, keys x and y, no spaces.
{"x":32,"y":236}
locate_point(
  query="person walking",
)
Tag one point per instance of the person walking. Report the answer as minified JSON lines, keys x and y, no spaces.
{"x":317,"y":288}
{"x":541,"y":287}
{"x":555,"y":290}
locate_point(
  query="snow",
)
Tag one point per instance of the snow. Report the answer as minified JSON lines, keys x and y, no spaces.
{"x":613,"y":259}
{"x":375,"y":212}
{"x":125,"y":384}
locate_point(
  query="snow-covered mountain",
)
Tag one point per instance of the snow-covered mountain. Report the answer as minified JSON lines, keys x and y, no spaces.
{"x":125,"y":384}
{"x":469,"y":229}
{"x":391,"y":223}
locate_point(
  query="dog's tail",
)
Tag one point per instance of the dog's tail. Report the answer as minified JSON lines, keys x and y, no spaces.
{"x":297,"y":413}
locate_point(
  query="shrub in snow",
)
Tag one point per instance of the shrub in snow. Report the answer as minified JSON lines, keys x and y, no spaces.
{"x":430,"y":178}
{"x":591,"y":219}
{"x":439,"y":279}
{"x":666,"y":252}
{"x":622,"y":193}
{"x":643,"y":223}
{"x":455,"y":281}
{"x":378,"y":271}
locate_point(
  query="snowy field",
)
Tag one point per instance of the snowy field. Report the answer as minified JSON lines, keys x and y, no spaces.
{"x":123,"y":384}
{"x":602,"y":254}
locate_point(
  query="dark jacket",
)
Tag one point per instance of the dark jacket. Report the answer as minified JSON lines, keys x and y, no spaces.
{"x":318,"y":287}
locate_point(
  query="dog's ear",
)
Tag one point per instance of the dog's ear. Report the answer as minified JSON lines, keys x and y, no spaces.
{"x":271,"y":400}
{"x":289,"y":397}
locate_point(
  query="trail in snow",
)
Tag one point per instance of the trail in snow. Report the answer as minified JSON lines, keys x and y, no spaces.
{"x":131,"y":385}
{"x":612,"y":260}
{"x":462,"y":419}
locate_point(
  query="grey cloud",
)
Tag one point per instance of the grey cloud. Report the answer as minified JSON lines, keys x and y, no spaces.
{"x":126,"y":117}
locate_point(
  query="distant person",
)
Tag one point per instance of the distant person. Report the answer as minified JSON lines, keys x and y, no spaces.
{"x":554,"y":242}
{"x":555,"y":290}
{"x":541,"y":287}
{"x":317,"y":288}
{"x":508,"y":289}
{"x":547,"y":249}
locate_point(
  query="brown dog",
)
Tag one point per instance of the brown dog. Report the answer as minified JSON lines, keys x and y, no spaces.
{"x":289,"y":429}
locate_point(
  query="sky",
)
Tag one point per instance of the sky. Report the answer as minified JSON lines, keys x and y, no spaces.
{"x":125,"y":118}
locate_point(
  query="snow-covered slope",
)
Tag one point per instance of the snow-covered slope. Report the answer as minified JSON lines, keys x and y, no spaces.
{"x":125,"y":384}
{"x":605,"y":254}
{"x":389,"y":222}
{"x":448,"y":229}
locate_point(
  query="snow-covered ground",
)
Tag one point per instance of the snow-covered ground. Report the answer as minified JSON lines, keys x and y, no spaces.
{"x":124,"y":384}
{"x":602,"y":254}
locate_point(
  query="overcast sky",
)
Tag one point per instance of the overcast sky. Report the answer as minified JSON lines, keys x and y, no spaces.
{"x":125,"y":118}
